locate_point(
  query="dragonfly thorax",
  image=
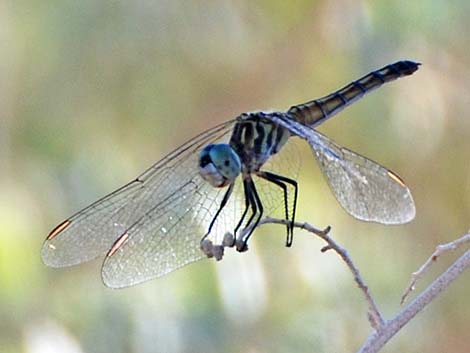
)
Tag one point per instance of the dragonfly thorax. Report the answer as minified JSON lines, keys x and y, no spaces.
{"x":219,"y":164}
{"x":256,"y":137}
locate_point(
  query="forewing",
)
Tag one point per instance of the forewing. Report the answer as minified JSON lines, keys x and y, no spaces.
{"x":92,"y":231}
{"x":168,"y":236}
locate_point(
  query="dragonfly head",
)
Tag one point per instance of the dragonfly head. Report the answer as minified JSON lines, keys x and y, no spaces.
{"x":219,"y":164}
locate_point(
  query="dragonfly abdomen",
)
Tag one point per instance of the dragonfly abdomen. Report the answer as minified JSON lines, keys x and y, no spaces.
{"x":316,"y":111}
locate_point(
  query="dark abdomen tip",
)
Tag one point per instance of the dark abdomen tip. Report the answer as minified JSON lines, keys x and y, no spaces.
{"x":406,"y":67}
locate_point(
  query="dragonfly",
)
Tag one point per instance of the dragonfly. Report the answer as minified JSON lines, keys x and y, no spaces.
{"x":206,"y":192}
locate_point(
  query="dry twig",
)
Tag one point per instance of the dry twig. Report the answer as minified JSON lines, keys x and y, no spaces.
{"x":384,"y":330}
{"x":374,"y":315}
{"x":381,"y":336}
{"x":440,"y":249}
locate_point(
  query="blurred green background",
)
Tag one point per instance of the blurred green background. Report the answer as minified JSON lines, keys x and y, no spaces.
{"x":94,"y":92}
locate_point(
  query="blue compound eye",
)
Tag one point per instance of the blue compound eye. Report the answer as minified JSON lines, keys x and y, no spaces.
{"x":219,"y":164}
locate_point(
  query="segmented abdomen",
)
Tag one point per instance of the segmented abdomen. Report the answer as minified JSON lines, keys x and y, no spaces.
{"x":316,"y":111}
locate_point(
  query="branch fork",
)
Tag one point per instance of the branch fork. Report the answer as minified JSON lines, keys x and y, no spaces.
{"x":383,"y":330}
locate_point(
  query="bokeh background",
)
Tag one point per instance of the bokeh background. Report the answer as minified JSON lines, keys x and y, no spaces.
{"x":94,"y":92}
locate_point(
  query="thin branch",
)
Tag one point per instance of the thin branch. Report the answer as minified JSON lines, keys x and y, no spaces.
{"x":383,"y":330}
{"x":440,"y":249}
{"x":381,"y":336}
{"x":374,"y":315}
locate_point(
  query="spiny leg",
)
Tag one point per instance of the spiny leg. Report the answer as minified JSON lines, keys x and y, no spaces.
{"x":260,"y":208}
{"x":268,"y":176}
{"x":248,"y":185}
{"x":227,"y":195}
{"x":257,"y":207}
{"x":280,"y":181}
{"x":247,"y":206}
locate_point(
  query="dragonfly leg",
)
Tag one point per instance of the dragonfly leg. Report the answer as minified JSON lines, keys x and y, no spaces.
{"x":281,"y":182}
{"x":225,"y":199}
{"x":273,"y":179}
{"x":240,"y":243}
{"x":257,"y":211}
{"x":247,"y":206}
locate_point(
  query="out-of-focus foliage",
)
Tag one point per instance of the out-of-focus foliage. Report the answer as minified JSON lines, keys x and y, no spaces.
{"x":93,"y":92}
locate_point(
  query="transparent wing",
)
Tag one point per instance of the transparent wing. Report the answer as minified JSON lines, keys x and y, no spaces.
{"x":364,"y":188}
{"x":154,"y":224}
{"x":92,"y":231}
{"x":168,"y":236}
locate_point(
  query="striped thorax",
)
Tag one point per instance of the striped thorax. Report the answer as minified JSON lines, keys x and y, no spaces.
{"x":255,"y":138}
